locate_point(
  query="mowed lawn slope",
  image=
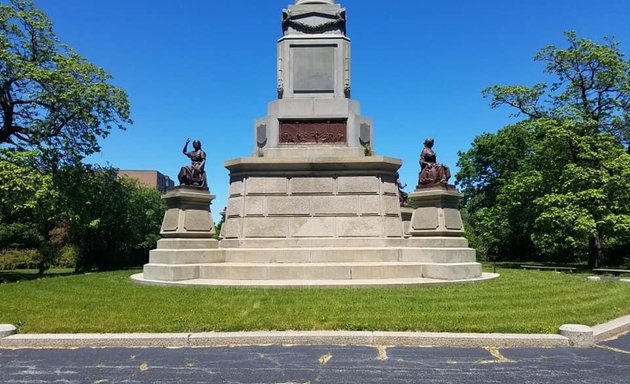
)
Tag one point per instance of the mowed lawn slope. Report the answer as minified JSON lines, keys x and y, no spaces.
{"x":519,"y":301}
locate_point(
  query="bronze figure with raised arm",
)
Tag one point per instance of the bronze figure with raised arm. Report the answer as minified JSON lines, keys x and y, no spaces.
{"x":194,"y":175}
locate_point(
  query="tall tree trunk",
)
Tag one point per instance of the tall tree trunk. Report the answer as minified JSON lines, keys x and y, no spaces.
{"x":43,"y":256}
{"x":595,"y":250}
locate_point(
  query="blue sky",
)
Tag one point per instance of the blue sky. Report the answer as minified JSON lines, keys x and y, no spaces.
{"x":206,"y":69}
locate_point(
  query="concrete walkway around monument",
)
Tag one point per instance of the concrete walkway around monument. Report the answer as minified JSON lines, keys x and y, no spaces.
{"x":354,"y":283}
{"x":571,"y":336}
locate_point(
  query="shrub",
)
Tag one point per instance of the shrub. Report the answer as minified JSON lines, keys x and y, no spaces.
{"x":67,"y":257}
{"x":19,"y":259}
{"x":18,"y":235}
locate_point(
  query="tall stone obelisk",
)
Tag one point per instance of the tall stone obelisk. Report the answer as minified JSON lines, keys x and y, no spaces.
{"x":312,"y":179}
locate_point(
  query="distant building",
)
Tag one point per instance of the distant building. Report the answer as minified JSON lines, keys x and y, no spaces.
{"x":150,"y":179}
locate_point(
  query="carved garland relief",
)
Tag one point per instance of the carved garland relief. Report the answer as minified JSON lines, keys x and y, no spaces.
{"x":313,"y":132}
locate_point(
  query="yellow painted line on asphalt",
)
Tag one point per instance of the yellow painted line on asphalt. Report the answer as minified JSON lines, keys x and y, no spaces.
{"x":499,"y":358}
{"x":382,"y":352}
{"x":292,"y":382}
{"x":325,"y":359}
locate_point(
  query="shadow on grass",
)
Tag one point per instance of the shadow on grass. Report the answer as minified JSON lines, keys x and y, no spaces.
{"x":15,"y":275}
{"x":579,"y":267}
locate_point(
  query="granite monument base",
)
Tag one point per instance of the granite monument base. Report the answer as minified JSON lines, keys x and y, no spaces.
{"x":310,"y":226}
{"x":291,"y":199}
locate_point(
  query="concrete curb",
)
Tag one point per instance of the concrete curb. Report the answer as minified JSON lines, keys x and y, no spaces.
{"x":222,"y":339}
{"x":573,"y":335}
{"x":95,"y":340}
{"x":612,"y":328}
{"x":580,"y":336}
{"x":7,"y":330}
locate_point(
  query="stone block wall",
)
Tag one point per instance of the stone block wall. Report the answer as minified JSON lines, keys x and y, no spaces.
{"x":308,"y":206}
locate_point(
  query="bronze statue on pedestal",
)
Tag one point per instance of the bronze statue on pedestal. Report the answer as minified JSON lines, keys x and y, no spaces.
{"x":431,"y":172}
{"x":194,"y":175}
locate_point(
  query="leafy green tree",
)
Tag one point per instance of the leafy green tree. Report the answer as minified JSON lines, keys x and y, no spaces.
{"x":25,"y":191}
{"x":558,"y":182}
{"x":51,"y":98}
{"x":145,"y":211}
{"x":54,"y":107}
{"x":499,"y":221}
{"x":27,"y":199}
{"x":114,"y":222}
{"x":28,"y":204}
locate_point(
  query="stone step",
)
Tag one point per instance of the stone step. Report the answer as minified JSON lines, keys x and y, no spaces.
{"x":417,"y":242}
{"x":313,"y":271}
{"x":312,"y":255}
{"x":350,"y":283}
{"x":186,"y":256}
{"x":187,"y":244}
{"x":351,"y":255}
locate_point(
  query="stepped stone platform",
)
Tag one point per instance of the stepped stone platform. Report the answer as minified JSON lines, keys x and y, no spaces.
{"x":278,"y":252}
{"x":435,"y":250}
{"x":394,"y":262}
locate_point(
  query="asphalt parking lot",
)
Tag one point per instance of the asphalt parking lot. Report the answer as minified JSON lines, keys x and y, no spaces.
{"x":607,"y":362}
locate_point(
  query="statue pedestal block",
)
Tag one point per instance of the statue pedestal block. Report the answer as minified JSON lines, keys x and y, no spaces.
{"x":436,"y":212}
{"x":187,"y":214}
{"x":187,"y":237}
{"x":405,"y":215}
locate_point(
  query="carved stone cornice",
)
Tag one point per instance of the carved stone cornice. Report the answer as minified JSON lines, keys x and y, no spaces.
{"x":293,"y":19}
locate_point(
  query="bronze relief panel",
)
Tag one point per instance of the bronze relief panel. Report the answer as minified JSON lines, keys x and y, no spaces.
{"x":313,"y":132}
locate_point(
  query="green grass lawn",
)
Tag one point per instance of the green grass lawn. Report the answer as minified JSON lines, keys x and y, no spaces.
{"x":519,"y":301}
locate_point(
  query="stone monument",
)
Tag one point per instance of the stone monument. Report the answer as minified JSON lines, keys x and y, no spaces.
{"x":314,"y":205}
{"x":309,"y":181}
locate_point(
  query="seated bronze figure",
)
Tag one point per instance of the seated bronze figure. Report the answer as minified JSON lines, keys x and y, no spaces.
{"x":194,"y":175}
{"x":431,"y":172}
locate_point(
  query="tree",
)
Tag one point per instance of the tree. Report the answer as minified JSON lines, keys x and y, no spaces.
{"x":26,"y":193}
{"x":496,"y":200}
{"x":54,"y":107}
{"x":51,"y":99}
{"x":592,"y":88}
{"x":114,"y":222}
{"x":28,"y":204}
{"x":557,"y":182}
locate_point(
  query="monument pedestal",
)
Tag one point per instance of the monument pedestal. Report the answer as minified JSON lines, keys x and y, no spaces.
{"x":437,"y":221}
{"x":288,"y":201}
{"x":310,"y":226}
{"x":187,"y":214}
{"x":187,"y":237}
{"x":405,"y":215}
{"x":436,"y":212}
